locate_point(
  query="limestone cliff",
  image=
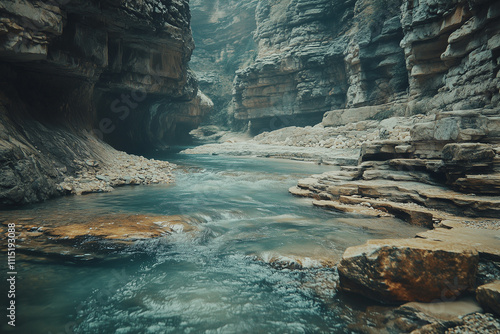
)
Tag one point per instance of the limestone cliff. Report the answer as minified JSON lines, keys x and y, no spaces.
{"x":76,"y":70}
{"x":417,"y":56}
{"x":414,"y":84}
{"x":449,"y":159}
{"x":317,"y":55}
{"x":452,"y":50}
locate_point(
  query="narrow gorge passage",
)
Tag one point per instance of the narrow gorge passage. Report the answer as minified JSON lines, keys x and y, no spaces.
{"x":256,"y":259}
{"x":250,"y":166}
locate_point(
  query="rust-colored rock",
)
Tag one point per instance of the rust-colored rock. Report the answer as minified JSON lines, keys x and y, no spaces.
{"x":87,"y":237}
{"x":489,"y":296}
{"x":120,"y":227}
{"x":402,"y":270}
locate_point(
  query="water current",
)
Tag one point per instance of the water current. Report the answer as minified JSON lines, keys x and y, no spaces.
{"x":254,"y":264}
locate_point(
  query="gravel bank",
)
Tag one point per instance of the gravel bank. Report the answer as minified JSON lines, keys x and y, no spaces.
{"x":119,"y":169}
{"x":477,"y":323}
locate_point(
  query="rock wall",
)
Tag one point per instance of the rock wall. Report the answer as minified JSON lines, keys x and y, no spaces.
{"x":74,"y":70}
{"x":223,"y":33}
{"x":420,"y":56}
{"x":444,"y":175}
{"x":452,"y":52}
{"x":316,"y":55}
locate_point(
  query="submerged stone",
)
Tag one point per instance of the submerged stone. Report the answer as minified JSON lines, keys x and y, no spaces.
{"x":86,"y":237}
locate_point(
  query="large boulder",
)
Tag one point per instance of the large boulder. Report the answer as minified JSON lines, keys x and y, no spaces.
{"x":488,"y":296}
{"x":402,"y":270}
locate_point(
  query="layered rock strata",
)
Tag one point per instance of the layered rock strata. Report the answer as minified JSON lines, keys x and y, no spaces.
{"x":316,"y":56}
{"x":74,"y":73}
{"x":451,"y":50}
{"x":223,"y":33}
{"x":446,"y":173}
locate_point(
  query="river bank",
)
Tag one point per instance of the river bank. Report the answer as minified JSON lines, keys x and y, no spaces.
{"x":336,"y":140}
{"x":433,"y":173}
{"x":226,"y":228}
{"x":225,"y":247}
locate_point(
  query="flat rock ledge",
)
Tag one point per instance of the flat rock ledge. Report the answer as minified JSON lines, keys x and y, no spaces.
{"x":403,"y":270}
{"x":447,"y":185}
{"x":91,"y":237}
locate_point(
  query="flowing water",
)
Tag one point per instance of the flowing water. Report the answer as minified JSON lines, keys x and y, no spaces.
{"x":237,"y":272}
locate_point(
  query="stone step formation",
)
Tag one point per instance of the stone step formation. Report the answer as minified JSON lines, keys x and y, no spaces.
{"x":444,"y":178}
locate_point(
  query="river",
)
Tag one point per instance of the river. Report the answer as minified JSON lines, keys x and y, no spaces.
{"x":217,"y":279}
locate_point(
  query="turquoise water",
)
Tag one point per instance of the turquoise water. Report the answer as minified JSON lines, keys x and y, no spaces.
{"x":217,"y":279}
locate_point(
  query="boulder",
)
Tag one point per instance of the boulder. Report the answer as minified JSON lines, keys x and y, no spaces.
{"x":444,"y":311}
{"x":489,"y":296}
{"x":403,"y":270}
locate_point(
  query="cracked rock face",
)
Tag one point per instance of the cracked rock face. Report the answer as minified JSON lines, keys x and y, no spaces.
{"x":100,"y":61}
{"x":452,"y":50}
{"x":315,"y":56}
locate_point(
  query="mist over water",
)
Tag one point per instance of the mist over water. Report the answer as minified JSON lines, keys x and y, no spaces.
{"x":216,"y":278}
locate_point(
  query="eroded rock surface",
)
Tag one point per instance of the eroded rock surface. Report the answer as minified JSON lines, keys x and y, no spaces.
{"x":90,"y":237}
{"x":223,"y":33}
{"x":398,"y":270}
{"x":74,"y":73}
{"x":314,"y":56}
{"x":375,"y":58}
{"x":451,"y":53}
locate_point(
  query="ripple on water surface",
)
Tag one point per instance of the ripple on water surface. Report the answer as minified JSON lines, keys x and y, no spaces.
{"x":216,"y":279}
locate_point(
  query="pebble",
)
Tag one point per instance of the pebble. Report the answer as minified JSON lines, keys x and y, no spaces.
{"x":103,"y":177}
{"x":486,"y":224}
{"x":477,"y":323}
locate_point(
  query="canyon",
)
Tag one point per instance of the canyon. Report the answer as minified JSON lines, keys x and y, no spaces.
{"x":77,"y":77}
{"x":400,"y":98}
{"x":404,"y":97}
